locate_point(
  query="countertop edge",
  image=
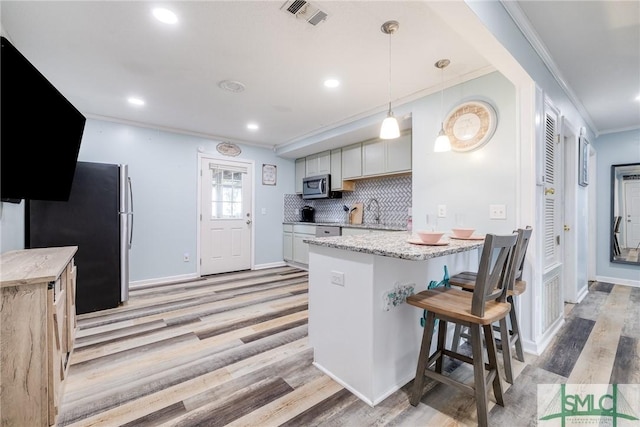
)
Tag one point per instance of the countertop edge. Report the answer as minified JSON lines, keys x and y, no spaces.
{"x":393,"y":245}
{"x":382,"y":227}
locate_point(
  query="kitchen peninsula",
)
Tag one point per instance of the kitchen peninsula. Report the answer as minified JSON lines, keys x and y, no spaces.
{"x":363,"y":334}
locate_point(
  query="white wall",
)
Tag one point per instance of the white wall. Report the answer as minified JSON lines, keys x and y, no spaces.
{"x":612,"y":149}
{"x":466,"y":182}
{"x":163,"y":167}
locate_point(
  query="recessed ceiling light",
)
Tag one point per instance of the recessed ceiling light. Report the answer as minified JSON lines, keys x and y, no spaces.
{"x":135,"y":101}
{"x":638,"y":98}
{"x":331,"y":83}
{"x":253,"y":126}
{"x":165,"y":15}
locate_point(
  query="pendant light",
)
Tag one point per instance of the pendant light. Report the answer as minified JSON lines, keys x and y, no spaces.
{"x":390,"y":128}
{"x":442,"y":141}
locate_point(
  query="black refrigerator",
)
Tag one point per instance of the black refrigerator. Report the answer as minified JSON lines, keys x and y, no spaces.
{"x":98,"y":218}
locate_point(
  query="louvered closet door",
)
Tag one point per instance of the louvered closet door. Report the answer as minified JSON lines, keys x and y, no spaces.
{"x":552,"y":298}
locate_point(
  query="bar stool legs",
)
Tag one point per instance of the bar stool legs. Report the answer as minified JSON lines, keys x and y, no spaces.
{"x":483,"y":373}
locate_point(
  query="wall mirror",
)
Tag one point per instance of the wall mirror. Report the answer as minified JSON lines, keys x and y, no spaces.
{"x":625,"y":213}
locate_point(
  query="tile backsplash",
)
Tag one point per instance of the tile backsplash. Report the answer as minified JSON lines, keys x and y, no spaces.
{"x":393,"y":193}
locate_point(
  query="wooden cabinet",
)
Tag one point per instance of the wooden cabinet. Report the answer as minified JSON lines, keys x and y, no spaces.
{"x":352,"y":161}
{"x":300,"y":173}
{"x":318,"y":164}
{"x":38,"y":325}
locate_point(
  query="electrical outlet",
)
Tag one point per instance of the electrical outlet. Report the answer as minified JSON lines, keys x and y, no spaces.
{"x":337,"y":278}
{"x":442,"y":211}
{"x":497,"y":212}
{"x":185,"y":257}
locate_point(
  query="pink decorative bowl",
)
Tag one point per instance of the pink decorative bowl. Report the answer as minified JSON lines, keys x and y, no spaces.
{"x":430,"y":237}
{"x":463,"y":232}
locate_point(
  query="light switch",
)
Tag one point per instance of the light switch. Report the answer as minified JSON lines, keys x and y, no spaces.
{"x":264,"y":211}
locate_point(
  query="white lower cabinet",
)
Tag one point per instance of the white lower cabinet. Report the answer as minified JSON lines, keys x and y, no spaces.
{"x":294,"y":247}
{"x":287,"y":242}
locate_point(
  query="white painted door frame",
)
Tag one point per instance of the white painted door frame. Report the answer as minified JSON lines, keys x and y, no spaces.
{"x":251,"y":164}
{"x":573,"y":291}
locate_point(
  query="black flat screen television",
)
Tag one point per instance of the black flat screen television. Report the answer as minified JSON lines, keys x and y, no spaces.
{"x":40,"y":133}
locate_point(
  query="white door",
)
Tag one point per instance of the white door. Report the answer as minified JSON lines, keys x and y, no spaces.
{"x":552,"y":296}
{"x":632,"y":213}
{"x":225,"y":215}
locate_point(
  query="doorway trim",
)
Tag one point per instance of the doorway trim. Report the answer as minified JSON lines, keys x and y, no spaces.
{"x":208,"y":155}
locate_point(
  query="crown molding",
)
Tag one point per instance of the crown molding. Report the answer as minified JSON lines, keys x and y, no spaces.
{"x":520,"y":18}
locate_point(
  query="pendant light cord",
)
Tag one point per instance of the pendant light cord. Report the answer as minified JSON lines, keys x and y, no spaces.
{"x":441,"y":97}
{"x":389,"y":113}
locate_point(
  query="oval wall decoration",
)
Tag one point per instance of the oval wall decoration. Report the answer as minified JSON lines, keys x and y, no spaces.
{"x":228,"y":149}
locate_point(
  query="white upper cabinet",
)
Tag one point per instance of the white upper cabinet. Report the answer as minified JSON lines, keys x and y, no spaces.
{"x":398,"y":154}
{"x":386,"y":156}
{"x":318,"y":164}
{"x":300,"y":173}
{"x":373,"y":157}
{"x":336,"y":169}
{"x":352,"y":161}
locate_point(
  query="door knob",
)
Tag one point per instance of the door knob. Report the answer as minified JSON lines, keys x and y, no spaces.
{"x":248,"y":221}
{"x":567,"y":228}
{"x":548,"y":191}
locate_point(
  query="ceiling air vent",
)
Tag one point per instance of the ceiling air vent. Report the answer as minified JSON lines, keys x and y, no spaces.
{"x":302,"y":9}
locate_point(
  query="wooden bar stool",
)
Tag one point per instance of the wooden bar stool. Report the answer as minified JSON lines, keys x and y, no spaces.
{"x":476,"y":310}
{"x":509,"y":333}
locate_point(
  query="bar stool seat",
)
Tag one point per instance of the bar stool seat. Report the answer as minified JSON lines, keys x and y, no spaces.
{"x":477,"y":311}
{"x":509,"y":333}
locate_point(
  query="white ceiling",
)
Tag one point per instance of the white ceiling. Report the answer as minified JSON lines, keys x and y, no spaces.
{"x":98,"y":53}
{"x":595,"y":47}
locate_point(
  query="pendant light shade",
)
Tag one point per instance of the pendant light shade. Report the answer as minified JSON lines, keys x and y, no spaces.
{"x":390,"y":128}
{"x":442,"y":143}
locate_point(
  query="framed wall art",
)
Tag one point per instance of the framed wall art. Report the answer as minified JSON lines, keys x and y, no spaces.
{"x":269,"y":174}
{"x":583,"y":161}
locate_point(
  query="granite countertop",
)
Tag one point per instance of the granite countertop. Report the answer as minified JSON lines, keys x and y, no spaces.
{"x":390,"y":227}
{"x":395,"y":245}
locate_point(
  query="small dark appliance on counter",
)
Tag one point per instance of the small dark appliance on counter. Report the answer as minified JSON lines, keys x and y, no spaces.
{"x":307,"y":214}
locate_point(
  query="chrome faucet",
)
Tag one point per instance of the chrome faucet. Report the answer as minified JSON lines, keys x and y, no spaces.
{"x":377,"y":217}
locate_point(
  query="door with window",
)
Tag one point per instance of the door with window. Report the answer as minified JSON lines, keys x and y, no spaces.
{"x":225,"y":215}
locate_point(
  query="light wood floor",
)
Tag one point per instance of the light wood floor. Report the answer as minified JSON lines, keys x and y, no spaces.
{"x":232,"y":349}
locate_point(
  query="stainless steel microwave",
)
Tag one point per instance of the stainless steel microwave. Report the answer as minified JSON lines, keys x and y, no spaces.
{"x":318,"y":187}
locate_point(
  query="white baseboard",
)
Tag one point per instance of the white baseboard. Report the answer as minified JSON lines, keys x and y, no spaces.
{"x":184,"y":277}
{"x":269,"y":265}
{"x":159,"y":281}
{"x":537,"y":347}
{"x":619,"y":281}
{"x":583,"y":293}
